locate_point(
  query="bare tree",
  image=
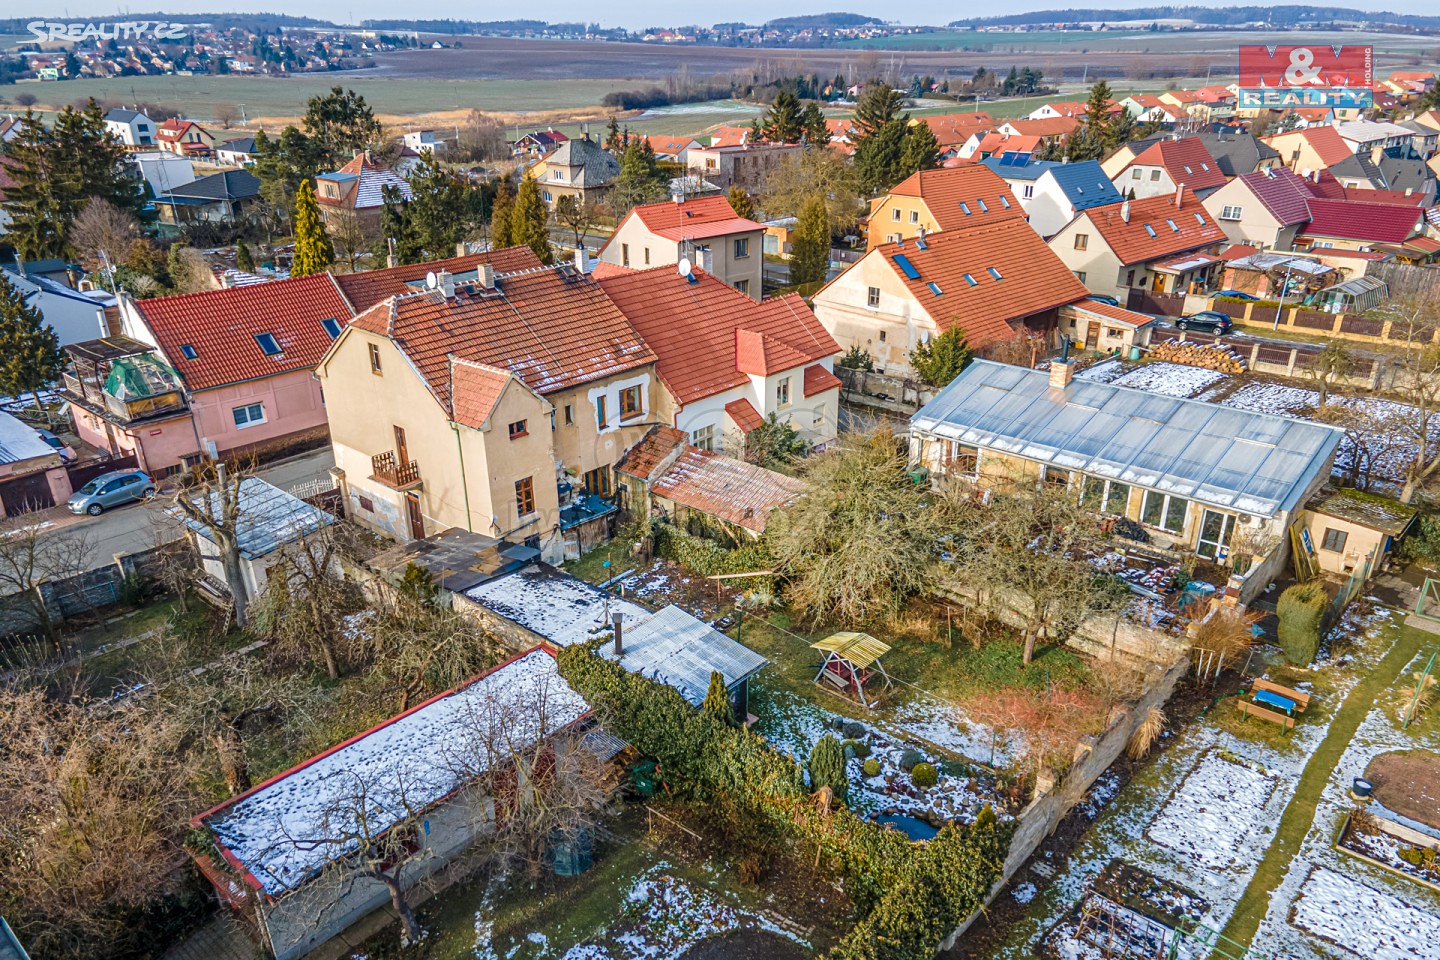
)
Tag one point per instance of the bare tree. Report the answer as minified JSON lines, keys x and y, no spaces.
{"x":1332,"y":364}
{"x":103,"y":233}
{"x":189,"y":273}
{"x":352,"y":242}
{"x":209,"y":498}
{"x":31,"y":558}
{"x":429,"y":650}
{"x":308,"y":600}
{"x":1048,"y":723}
{"x":1418,"y":319}
{"x":807,"y":173}
{"x":225,"y":114}
{"x":576,"y":215}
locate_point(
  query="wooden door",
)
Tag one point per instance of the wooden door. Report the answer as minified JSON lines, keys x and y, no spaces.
{"x":402,"y":452}
{"x":417,"y":520}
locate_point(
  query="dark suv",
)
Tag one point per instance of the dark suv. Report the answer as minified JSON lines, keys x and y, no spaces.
{"x":1211,"y":320}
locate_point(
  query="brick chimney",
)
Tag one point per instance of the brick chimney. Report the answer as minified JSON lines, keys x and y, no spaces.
{"x":485,"y":276}
{"x":1125,"y":211}
{"x":1179,"y":196}
{"x":1062,"y":371}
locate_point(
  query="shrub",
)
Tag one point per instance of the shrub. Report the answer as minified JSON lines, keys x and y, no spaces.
{"x":860,"y":749}
{"x":853,"y":730}
{"x":705,"y":557}
{"x":751,"y":868}
{"x":1300,"y":610}
{"x":924,"y":775}
{"x":871,"y":767}
{"x":827,"y":766}
{"x":909,"y":758}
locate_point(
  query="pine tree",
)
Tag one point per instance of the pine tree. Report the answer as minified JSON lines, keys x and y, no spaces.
{"x":502,"y":233}
{"x":639,"y":181}
{"x":920,"y":151}
{"x":442,"y":211}
{"x":941,"y":359}
{"x":740,"y":202}
{"x":530,"y":221}
{"x":717,"y":700}
{"x":613,"y":143}
{"x":878,"y":105}
{"x":817,"y":134}
{"x":34,"y":202}
{"x":313,"y":251}
{"x":784,"y":122}
{"x":810,"y":256}
{"x":243,"y":260}
{"x":397,"y":231}
{"x":30,"y":355}
{"x":880,"y":156}
{"x":827,"y":767}
{"x":1097,"y":118}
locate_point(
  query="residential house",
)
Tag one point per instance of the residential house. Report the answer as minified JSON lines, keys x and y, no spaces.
{"x":365,"y":289}
{"x":1052,"y":128}
{"x":703,"y":230}
{"x":239,"y":152}
{"x":579,"y":168}
{"x":727,"y":136}
{"x":984,"y":144}
{"x":356,"y":194}
{"x":669,"y":149}
{"x":952,"y":130}
{"x":73,"y":314}
{"x":9,"y":128}
{"x":727,"y":363}
{"x":126,"y":400}
{"x":1264,"y":210}
{"x":1352,"y":530}
{"x":1429,"y":119}
{"x":537,"y":143}
{"x":269,"y":855}
{"x":1126,"y":153}
{"x":745,"y":165}
{"x":1407,"y":175}
{"x":930,"y":201}
{"x":1168,"y":164}
{"x":668,"y":476}
{"x":1069,"y":109}
{"x":1148,"y":108}
{"x":1424,"y":140}
{"x":130,"y":127}
{"x":185,"y":138}
{"x":1164,"y":244}
{"x":1099,"y":327}
{"x":423,"y":142}
{"x":1051,"y":192}
{"x":1311,"y":149}
{"x":224,"y":197}
{"x":1368,"y":136}
{"x":1238,"y":153}
{"x":499,"y":405}
{"x":996,"y":281}
{"x":163,"y":171}
{"x":32,"y":472}
{"x":1359,"y":225}
{"x":1192,"y":475}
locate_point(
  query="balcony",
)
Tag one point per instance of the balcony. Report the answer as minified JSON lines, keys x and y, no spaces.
{"x":393,"y":472}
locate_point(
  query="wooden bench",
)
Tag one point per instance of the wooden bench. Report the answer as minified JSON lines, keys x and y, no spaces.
{"x":1255,"y":710}
{"x":1302,"y":700}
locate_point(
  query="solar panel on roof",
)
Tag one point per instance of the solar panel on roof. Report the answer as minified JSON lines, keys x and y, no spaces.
{"x":903,"y":262}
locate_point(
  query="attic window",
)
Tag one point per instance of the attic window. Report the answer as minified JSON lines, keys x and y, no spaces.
{"x":1204,"y":166}
{"x":1149,"y":229}
{"x":1005,"y":202}
{"x":332,"y":327}
{"x":994,"y":273}
{"x":965,"y":208}
{"x":1187,"y":169}
{"x":983,"y":208}
{"x":188,"y":352}
{"x":971,"y":280}
{"x":1199,"y":219}
{"x":268,"y":344}
{"x":1173,"y":228}
{"x":935,"y":288}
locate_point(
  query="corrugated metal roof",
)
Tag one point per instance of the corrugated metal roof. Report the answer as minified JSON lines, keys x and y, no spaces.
{"x":676,"y":649}
{"x":1235,"y":459}
{"x":269,"y":518}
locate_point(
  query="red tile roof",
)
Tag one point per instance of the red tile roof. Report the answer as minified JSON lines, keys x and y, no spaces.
{"x":729,"y":136}
{"x":475,"y":389}
{"x":744,"y":414}
{"x":551,"y":327}
{"x":1398,"y":197}
{"x":1048,"y":127}
{"x":1032,"y":278}
{"x":667,"y":145}
{"x":1186,"y":160}
{"x":1354,"y":220}
{"x":1281,"y":192}
{"x":364,"y":290}
{"x":653,"y":450}
{"x":732,"y":490}
{"x":953,"y":129}
{"x":692,"y":328}
{"x":1109,"y":312}
{"x":221,"y":326}
{"x":761,"y":355}
{"x":603,"y":269}
{"x":818,"y":380}
{"x":985,"y":195}
{"x":696,"y":218}
{"x":1325,"y":141}
{"x":1132,"y":243}
{"x":996,"y":142}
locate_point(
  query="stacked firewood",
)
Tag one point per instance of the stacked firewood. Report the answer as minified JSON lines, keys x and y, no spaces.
{"x":1211,"y":356}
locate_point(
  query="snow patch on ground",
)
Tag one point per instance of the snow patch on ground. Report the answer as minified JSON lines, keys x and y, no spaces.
{"x":1363,"y":920}
{"x":1214,"y":814}
{"x":1164,"y":378}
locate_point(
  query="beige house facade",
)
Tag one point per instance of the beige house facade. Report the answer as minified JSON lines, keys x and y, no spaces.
{"x":702,"y":230}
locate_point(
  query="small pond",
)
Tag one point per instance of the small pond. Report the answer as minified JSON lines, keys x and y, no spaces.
{"x":912,"y":827}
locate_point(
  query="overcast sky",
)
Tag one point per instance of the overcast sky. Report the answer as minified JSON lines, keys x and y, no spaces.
{"x":624,"y":13}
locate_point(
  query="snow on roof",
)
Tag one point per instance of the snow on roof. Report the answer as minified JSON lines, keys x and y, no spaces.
{"x":674,"y":648}
{"x":19,"y":441}
{"x":563,"y":609}
{"x":269,"y":519}
{"x":280,"y":831}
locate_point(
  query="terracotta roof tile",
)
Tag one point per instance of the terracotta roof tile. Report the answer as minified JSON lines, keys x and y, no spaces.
{"x":1326,"y":141}
{"x":818,"y":380}
{"x":1281,"y":192}
{"x":1109,"y":312}
{"x":653,"y":449}
{"x":760,"y":354}
{"x":744,"y":414}
{"x":996,"y":142}
{"x":1186,"y":160}
{"x":959,"y":197}
{"x":692,"y":326}
{"x":1048,"y":127}
{"x":550,"y":327}
{"x":732,"y":490}
{"x":1133,"y":243}
{"x":953,"y":129}
{"x":475,"y":389}
{"x":1354,"y":220}
{"x":695,"y":218}
{"x":959,"y":264}
{"x":364,"y":290}
{"x":221,"y":326}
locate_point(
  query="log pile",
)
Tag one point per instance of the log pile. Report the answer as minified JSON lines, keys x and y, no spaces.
{"x":1211,"y":356}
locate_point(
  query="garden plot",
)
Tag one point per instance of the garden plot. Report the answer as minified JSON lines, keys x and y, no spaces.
{"x":1215,"y":814}
{"x":1363,"y":920}
{"x":943,"y":726}
{"x":1167,"y":379}
{"x":664,"y":583}
{"x":1126,"y":912}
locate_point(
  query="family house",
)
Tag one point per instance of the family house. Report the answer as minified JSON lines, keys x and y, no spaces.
{"x":745,"y":165}
{"x":1148,"y":108}
{"x":185,"y":138}
{"x":74,"y":315}
{"x":163,"y":171}
{"x":1167,"y":165}
{"x":1051,"y":193}
{"x":225,"y":197}
{"x":126,"y":400}
{"x":272,"y":846}
{"x":32,"y":472}
{"x":995,"y":281}
{"x":727,"y":363}
{"x":131,"y":128}
{"x":239,"y":152}
{"x":1311,"y":149}
{"x":578,"y":168}
{"x":1196,"y":477}
{"x":932,"y":201}
{"x":499,"y":405}
{"x":1359,"y":225}
{"x":537,"y":143}
{"x":357,"y":192}
{"x":1238,"y":153}
{"x":1265,"y":209}
{"x":704,"y":230}
{"x":1160,"y":243}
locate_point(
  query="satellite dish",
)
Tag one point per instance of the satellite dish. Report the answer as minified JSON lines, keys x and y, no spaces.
{"x":432,"y":281}
{"x":684,"y":266}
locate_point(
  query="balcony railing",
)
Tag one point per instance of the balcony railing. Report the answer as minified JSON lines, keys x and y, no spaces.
{"x":396,"y":473}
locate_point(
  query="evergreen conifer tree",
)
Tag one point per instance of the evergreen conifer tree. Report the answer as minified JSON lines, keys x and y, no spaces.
{"x":810,"y":256}
{"x":30,"y":355}
{"x":530,"y":221}
{"x":313,"y":250}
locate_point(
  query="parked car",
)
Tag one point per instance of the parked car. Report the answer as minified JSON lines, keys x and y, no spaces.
{"x":1236,"y":295}
{"x":1103,"y":298}
{"x":67,"y":455}
{"x":1212,"y":320}
{"x":111,"y":490}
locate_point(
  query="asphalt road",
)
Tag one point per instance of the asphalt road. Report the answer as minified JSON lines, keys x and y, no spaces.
{"x":140,"y":526}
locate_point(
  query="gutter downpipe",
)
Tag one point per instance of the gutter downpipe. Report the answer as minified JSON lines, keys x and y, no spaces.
{"x":464,"y":483}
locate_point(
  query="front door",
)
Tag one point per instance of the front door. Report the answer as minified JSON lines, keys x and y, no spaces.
{"x":1092,"y":335}
{"x":1215,"y":531}
{"x":417,"y":520}
{"x":402,"y":452}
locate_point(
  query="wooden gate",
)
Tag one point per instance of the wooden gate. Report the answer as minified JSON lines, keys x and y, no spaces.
{"x":29,"y":491}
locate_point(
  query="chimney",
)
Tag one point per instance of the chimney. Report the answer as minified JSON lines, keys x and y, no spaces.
{"x":1125,"y":211}
{"x":445,"y":283}
{"x":485,"y":276}
{"x":704,"y":259}
{"x":1062,"y":371}
{"x":678,"y":196}
{"x":1179,"y":196}
{"x":582,"y":261}
{"x":618,"y":621}
{"x":460,"y":250}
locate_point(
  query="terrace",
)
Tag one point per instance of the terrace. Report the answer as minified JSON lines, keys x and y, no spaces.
{"x":122,"y":380}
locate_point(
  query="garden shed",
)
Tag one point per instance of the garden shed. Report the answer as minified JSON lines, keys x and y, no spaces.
{"x":1346,"y":527}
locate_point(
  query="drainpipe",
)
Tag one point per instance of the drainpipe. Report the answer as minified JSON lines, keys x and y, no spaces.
{"x":464,"y":484}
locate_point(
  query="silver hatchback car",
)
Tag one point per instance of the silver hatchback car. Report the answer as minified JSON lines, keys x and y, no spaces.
{"x":111,"y":490}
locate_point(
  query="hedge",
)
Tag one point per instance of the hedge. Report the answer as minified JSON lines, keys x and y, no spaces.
{"x":706,"y":558}
{"x":1300,"y":610}
{"x":910,"y":900}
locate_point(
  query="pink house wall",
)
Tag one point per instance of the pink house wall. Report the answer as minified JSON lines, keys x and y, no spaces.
{"x":292,"y":402}
{"x":158,"y":446}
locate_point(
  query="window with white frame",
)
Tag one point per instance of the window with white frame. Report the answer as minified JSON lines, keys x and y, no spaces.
{"x":782,"y":392}
{"x":1105,"y":496}
{"x":249,"y":415}
{"x":1230,"y":213}
{"x":1164,"y":511}
{"x":961,"y":459}
{"x":872,"y":297}
{"x":704,"y":438}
